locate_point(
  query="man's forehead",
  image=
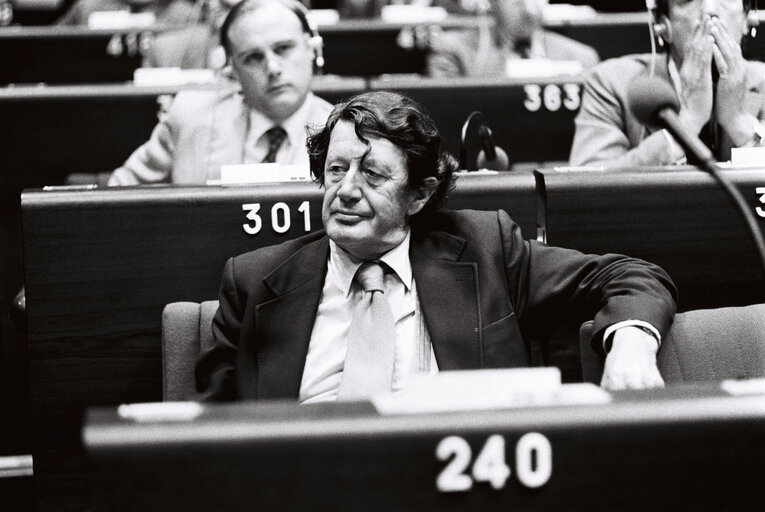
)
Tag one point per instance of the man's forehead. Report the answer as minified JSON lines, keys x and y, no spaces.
{"x":271,"y":21}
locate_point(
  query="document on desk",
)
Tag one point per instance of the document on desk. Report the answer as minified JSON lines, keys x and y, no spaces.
{"x":488,"y":389}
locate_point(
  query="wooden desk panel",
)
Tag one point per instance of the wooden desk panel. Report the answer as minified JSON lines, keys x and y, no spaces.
{"x":682,"y":448}
{"x":678,"y":218}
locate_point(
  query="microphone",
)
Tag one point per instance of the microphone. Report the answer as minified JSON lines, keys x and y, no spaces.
{"x":475,"y":134}
{"x":654,"y":103}
{"x":491,"y":156}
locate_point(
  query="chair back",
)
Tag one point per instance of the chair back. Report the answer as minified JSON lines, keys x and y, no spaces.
{"x":186,"y":329}
{"x":702,"y":345}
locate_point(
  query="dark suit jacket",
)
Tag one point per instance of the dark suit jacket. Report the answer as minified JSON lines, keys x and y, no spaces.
{"x":480,"y":287}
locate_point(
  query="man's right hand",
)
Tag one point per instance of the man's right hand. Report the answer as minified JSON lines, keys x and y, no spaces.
{"x":696,"y":78}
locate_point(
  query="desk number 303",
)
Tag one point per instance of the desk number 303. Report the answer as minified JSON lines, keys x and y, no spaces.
{"x":281,"y":217}
{"x":533,"y":463}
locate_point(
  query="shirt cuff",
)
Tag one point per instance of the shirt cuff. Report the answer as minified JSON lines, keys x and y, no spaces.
{"x":676,"y":152}
{"x":611,"y":329}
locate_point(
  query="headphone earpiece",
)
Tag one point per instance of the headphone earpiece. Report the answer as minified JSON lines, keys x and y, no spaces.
{"x":316,"y":42}
{"x":752,"y":22}
{"x":663,"y":31}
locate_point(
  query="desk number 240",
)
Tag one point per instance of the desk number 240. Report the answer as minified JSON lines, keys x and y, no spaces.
{"x":533,"y":463}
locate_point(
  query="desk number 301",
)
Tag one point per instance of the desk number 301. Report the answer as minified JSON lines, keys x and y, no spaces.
{"x":533,"y":463}
{"x":280,"y":217}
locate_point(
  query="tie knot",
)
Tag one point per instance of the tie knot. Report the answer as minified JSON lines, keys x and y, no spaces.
{"x":370,"y":277}
{"x":276,"y":135}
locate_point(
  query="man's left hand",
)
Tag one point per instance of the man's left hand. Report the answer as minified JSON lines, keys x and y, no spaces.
{"x":631,"y":362}
{"x":731,"y":87}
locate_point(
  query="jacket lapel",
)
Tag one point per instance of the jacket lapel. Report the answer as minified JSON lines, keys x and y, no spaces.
{"x":448,"y":293}
{"x":285,"y":322}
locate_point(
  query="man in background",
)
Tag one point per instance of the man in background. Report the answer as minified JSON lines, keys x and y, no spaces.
{"x":259,"y":114}
{"x":725,"y":107}
{"x":491,"y":51}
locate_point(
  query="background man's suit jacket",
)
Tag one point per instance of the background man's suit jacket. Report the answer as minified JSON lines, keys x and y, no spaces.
{"x":467,"y":53}
{"x":482,"y":289}
{"x":202,"y":130}
{"x":606,"y":130}
{"x":187,"y":48}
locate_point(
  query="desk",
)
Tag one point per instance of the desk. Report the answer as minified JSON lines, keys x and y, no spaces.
{"x":682,"y":448}
{"x":101,"y":264}
{"x":51,"y":132}
{"x":533,"y":120}
{"x":69,"y":55}
{"x":676,"y":217}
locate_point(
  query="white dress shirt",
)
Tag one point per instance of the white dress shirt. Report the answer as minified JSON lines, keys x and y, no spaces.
{"x":292,"y":150}
{"x":324,"y":363}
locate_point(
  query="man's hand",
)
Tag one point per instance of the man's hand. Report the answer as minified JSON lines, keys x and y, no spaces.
{"x":731,"y":87}
{"x":631,"y":363}
{"x":696,"y":78}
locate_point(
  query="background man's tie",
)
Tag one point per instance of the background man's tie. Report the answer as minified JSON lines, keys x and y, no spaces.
{"x":371,"y":339}
{"x":275,"y":136}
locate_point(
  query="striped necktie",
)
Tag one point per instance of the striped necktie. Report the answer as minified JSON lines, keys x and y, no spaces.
{"x":275,"y":136}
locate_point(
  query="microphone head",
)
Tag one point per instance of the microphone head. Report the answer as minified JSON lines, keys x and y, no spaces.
{"x":500,"y":163}
{"x":647,"y":96}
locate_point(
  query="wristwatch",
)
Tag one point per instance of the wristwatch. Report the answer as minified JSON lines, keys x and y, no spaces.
{"x":758,"y":138}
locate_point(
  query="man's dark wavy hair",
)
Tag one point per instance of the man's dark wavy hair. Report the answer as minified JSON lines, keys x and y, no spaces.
{"x":401,"y":120}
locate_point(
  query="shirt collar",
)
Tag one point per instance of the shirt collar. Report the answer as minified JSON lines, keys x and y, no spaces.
{"x":293,"y":125}
{"x":674,"y":76}
{"x":345,"y":266}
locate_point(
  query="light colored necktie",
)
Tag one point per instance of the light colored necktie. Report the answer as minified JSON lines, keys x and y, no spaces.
{"x":275,"y":136}
{"x":371,"y":339}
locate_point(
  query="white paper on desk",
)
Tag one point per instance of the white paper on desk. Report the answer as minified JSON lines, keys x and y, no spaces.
{"x":487,"y":389}
{"x":540,"y":68}
{"x":159,"y":77}
{"x":263,"y":173}
{"x":403,"y":13}
{"x":117,"y":20}
{"x":747,"y":157}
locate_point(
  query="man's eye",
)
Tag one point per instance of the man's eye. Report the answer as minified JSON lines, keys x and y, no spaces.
{"x":336,"y":171}
{"x":253,"y":58}
{"x":373,"y":177}
{"x":283,"y":49}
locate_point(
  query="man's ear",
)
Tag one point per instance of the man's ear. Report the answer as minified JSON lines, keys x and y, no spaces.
{"x":422,"y":195}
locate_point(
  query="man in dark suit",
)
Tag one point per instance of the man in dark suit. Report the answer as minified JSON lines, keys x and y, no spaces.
{"x":463,"y":289}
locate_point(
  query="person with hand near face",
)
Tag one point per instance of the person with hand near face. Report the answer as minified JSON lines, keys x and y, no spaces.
{"x":721,"y":95}
{"x":450,"y":289}
{"x":259,"y":112}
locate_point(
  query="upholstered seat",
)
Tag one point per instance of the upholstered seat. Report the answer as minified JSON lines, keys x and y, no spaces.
{"x":702,"y":345}
{"x":186,"y":328}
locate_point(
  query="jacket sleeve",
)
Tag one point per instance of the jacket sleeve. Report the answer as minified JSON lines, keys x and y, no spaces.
{"x":553,"y":285}
{"x":600,"y":136}
{"x":214,"y":372}
{"x":152,"y":162}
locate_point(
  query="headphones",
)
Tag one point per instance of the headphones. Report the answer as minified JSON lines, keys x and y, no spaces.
{"x":662,"y":30}
{"x":315,"y":41}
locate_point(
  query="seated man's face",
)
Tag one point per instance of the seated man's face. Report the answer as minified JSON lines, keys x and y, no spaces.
{"x":686,"y":15}
{"x":366,"y":198}
{"x":272,"y":59}
{"x":519,"y":18}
